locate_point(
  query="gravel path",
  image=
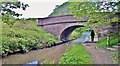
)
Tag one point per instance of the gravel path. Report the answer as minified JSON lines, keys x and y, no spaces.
{"x":46,"y":54}
{"x":99,"y":55}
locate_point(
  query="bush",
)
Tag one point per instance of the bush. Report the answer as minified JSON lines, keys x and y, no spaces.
{"x":24,"y":36}
{"x":113,"y":41}
{"x":8,"y":19}
{"x":102,"y":43}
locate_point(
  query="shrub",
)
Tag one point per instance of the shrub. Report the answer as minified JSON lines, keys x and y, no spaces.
{"x":113,"y":41}
{"x":24,"y":35}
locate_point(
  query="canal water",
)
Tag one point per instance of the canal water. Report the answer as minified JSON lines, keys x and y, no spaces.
{"x":33,"y":54}
{"x":84,"y":37}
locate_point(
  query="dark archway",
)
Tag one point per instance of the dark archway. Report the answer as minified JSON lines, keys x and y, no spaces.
{"x":66,"y":33}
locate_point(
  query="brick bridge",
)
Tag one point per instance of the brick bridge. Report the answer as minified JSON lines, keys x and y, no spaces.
{"x":61,"y":26}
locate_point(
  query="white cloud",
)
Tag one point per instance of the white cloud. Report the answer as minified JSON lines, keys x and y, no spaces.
{"x":39,"y":8}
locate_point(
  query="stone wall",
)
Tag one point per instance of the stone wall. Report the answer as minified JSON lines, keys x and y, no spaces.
{"x":104,"y":29}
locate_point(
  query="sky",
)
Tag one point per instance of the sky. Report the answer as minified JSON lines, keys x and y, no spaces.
{"x":39,"y":8}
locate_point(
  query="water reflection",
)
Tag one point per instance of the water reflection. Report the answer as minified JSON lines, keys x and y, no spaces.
{"x":84,"y":37}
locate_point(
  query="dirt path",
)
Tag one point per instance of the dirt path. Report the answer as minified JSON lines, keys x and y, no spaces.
{"x":46,"y":54}
{"x":99,"y":55}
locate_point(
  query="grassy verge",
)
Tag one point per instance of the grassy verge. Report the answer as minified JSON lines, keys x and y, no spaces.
{"x":24,"y":36}
{"x":76,"y":55}
{"x":116,"y":56}
{"x":113,"y":41}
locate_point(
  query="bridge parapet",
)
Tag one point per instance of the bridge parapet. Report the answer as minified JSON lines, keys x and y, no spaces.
{"x":60,"y":19}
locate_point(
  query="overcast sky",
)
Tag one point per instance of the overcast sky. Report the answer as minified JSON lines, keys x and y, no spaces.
{"x":39,"y":8}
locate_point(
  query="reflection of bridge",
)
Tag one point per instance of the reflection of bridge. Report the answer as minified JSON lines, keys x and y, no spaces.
{"x":61,"y":26}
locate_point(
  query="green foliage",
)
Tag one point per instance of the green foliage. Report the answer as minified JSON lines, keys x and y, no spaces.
{"x":7,"y":12}
{"x":61,"y":10}
{"x":102,"y":43}
{"x":80,"y":9}
{"x":8,"y":1}
{"x":8,"y":19}
{"x":24,"y":36}
{"x":0,"y":6}
{"x":8,"y":6}
{"x":118,"y":5}
{"x":92,"y":10}
{"x":116,"y":57}
{"x":76,"y":55}
{"x":102,"y":18}
{"x":113,"y":41}
{"x":78,"y":32}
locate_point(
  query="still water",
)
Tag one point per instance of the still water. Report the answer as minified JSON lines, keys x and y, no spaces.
{"x":84,"y":37}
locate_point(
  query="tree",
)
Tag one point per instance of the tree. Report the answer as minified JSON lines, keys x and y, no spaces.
{"x":99,"y":12}
{"x":8,"y":13}
{"x":8,"y":6}
{"x":80,"y":9}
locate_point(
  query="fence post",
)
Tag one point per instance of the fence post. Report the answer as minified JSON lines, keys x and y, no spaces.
{"x":108,"y":39}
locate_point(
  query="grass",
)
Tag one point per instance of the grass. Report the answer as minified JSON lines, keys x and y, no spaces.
{"x":102,"y":43}
{"x":116,"y":57}
{"x":76,"y":55}
{"x":113,"y":41}
{"x":24,"y":36}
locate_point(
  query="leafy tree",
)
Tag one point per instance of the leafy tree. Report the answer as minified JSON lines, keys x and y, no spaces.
{"x":8,"y":6}
{"x":80,"y":9}
{"x":108,"y":6}
{"x":99,"y":12}
{"x":8,"y":13}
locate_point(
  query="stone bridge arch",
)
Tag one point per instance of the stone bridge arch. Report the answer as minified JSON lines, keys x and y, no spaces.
{"x":61,"y":26}
{"x":65,"y":33}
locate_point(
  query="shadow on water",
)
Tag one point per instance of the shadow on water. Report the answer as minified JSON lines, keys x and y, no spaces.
{"x":85,"y":37}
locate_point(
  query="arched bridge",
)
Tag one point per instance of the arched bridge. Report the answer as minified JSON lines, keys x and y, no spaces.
{"x":61,"y":26}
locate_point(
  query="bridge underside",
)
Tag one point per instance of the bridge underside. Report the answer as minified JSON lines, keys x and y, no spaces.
{"x":65,"y":35}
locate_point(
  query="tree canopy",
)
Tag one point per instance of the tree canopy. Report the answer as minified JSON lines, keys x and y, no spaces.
{"x":8,"y":6}
{"x":7,"y":12}
{"x":99,"y":12}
